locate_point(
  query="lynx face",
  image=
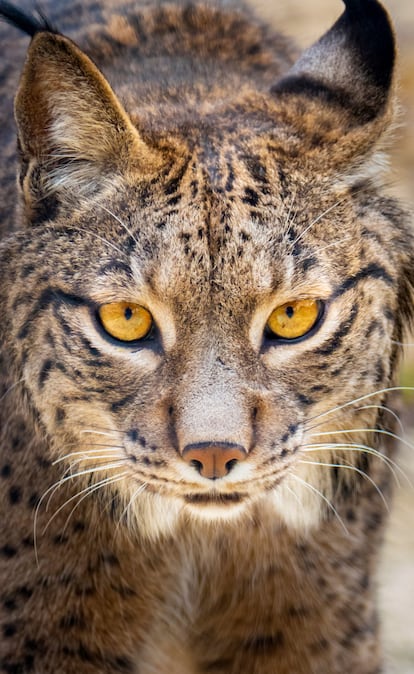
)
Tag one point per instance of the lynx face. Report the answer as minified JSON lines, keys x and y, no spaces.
{"x":208,"y":300}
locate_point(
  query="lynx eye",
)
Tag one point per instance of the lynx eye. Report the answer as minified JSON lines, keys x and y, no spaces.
{"x":125,"y":321}
{"x":294,"y":319}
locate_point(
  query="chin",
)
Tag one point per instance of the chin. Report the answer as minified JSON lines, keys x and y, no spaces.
{"x":216,"y":508}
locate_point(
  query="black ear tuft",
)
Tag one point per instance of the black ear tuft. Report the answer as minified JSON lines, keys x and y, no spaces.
{"x":371,"y":36}
{"x":27,"y":23}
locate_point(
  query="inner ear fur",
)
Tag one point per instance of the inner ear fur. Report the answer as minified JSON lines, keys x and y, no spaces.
{"x":72,"y":130}
{"x":340,"y":91}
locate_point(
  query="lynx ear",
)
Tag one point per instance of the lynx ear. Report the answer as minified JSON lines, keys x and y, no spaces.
{"x":343,"y":84}
{"x":73,"y":132}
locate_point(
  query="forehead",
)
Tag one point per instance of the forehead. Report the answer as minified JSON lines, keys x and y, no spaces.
{"x":235,"y":219}
{"x":249,"y":227}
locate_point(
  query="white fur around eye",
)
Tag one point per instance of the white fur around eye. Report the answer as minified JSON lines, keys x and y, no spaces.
{"x":144,"y":357}
{"x":282,"y":353}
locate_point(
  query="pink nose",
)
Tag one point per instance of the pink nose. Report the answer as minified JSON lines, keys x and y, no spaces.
{"x":214,"y":459}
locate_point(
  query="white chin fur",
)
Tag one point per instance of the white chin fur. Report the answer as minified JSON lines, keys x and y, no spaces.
{"x":154,"y":516}
{"x":212,"y":513}
{"x":296,"y":502}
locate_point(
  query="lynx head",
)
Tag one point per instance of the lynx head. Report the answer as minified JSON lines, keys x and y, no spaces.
{"x":204,"y":282}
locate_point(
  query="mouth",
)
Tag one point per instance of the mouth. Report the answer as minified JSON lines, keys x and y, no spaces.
{"x":214,"y":499}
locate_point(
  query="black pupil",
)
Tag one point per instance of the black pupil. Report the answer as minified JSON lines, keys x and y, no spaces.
{"x":128,"y":313}
{"x":289,"y":312}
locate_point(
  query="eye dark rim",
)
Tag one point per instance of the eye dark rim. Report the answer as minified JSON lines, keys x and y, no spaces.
{"x":270,"y":339}
{"x":151,"y":340}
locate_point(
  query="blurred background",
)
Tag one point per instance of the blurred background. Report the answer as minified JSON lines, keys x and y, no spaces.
{"x":305,"y":22}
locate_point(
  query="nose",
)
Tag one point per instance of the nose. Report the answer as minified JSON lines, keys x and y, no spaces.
{"x":214,"y":459}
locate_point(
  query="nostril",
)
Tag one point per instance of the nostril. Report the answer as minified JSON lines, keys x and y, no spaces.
{"x":230,"y":464}
{"x":197,"y":465}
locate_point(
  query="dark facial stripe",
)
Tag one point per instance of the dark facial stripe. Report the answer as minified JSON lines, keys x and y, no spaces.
{"x":49,"y":295}
{"x":336,"y":340}
{"x":371,"y":271}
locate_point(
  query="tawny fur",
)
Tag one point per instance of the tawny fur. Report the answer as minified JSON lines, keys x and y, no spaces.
{"x":196,"y":171}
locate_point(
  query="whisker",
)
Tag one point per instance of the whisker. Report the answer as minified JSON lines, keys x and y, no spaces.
{"x":87,"y":492}
{"x":360,"y":399}
{"x":362,"y":407}
{"x":291,"y":491}
{"x":330,"y":245}
{"x":86,"y":453}
{"x":386,"y":409}
{"x":316,"y":220}
{"x":96,"y":432}
{"x":136,"y":493}
{"x":288,"y":219}
{"x":324,"y":498}
{"x":11,"y":388}
{"x":128,"y":231}
{"x":54,"y":487}
{"x":115,"y":457}
{"x":356,"y":470}
{"x":361,"y":449}
{"x":107,"y":243}
{"x":381,"y":431}
{"x":409,"y":344}
{"x":95,"y":469}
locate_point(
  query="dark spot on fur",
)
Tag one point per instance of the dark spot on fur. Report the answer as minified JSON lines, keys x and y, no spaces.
{"x":27,"y":270}
{"x":133,"y":434}
{"x":304,"y":400}
{"x":33,"y":500}
{"x":60,"y":539}
{"x":250,"y":197}
{"x":109,"y":558}
{"x":6,"y":471}
{"x":9,"y":630}
{"x":24,"y":591}
{"x":60,"y":415}
{"x":265,"y":644}
{"x":72,"y":620}
{"x":15,"y":495}
{"x":119,"y":404}
{"x":309,"y":262}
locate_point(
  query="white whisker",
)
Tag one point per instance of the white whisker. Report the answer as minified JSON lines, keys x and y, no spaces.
{"x":86,"y":453}
{"x":386,"y":409}
{"x":361,"y":449}
{"x":356,"y":470}
{"x":54,"y":487}
{"x":316,"y":220}
{"x":107,"y":243}
{"x":323,"y":497}
{"x":330,"y":245}
{"x":11,"y":388}
{"x":381,"y":431}
{"x":86,"y":492}
{"x":138,"y":491}
{"x":360,"y":399}
{"x":96,"y":432}
{"x":128,"y":231}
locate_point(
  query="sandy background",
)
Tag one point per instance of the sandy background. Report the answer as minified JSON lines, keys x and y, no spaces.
{"x":305,"y":22}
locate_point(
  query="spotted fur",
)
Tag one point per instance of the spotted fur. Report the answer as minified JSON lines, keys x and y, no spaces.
{"x":181,"y":157}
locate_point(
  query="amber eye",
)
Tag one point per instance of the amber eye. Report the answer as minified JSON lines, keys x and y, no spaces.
{"x":125,"y":321}
{"x":294,"y":319}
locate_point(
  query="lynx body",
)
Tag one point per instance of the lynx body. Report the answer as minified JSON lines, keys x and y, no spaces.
{"x":203,"y":290}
